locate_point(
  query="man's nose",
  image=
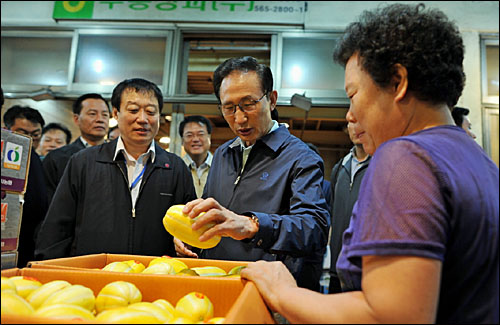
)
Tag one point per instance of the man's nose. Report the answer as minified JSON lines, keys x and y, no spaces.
{"x":240,"y":116}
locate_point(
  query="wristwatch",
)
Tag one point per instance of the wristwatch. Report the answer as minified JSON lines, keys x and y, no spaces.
{"x":255,"y":219}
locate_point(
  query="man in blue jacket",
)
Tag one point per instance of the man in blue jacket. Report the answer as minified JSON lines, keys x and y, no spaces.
{"x":264,"y":187}
{"x":112,"y":197}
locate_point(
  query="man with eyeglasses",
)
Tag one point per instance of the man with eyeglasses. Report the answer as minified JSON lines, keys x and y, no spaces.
{"x":263,"y":191}
{"x":195,"y":131}
{"x":29,"y":121}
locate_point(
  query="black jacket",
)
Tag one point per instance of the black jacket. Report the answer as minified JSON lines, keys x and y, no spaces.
{"x":92,"y":208}
{"x":34,"y":209}
{"x":55,"y":162}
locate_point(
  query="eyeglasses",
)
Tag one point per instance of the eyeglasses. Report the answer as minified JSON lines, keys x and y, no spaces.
{"x":246,"y":105}
{"x":191,"y":136}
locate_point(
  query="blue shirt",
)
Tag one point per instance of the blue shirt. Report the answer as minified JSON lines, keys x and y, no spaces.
{"x":432,"y":194}
{"x":281,"y":185}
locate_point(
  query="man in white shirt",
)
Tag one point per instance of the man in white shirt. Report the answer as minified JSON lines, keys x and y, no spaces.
{"x":112,"y":197}
{"x":195,"y":131}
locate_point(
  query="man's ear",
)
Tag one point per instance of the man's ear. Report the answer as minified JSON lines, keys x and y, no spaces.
{"x":399,"y":82}
{"x":273,"y":98}
{"x":76,"y":117}
{"x":115,"y":113}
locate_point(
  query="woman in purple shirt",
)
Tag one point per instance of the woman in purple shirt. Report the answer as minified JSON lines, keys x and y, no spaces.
{"x":422,"y":245}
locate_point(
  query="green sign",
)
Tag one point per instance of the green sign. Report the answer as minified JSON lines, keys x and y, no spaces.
{"x":73,"y":9}
{"x":277,"y":12}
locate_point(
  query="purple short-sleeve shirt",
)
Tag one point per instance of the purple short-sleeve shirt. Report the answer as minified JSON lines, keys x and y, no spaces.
{"x":432,"y":194}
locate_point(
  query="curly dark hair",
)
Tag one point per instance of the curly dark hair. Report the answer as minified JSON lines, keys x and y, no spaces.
{"x":422,"y":40}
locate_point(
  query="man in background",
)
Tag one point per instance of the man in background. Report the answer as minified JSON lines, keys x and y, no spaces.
{"x":113,"y":133}
{"x":460,"y":117}
{"x":195,"y":131}
{"x":29,"y":121}
{"x":91,"y":114}
{"x":54,"y":135}
{"x":345,"y":179}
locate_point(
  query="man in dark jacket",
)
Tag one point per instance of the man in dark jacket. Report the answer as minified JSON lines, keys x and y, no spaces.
{"x":91,"y":115}
{"x":112,"y":197}
{"x":29,"y":121}
{"x":345,"y":182}
{"x":264,"y":187}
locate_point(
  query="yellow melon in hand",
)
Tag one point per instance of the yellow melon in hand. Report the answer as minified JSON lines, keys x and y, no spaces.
{"x":179,"y":225}
{"x":196,"y":306}
{"x":13,"y":304}
{"x":25,"y":285}
{"x":117,"y":294}
{"x":65,"y":311}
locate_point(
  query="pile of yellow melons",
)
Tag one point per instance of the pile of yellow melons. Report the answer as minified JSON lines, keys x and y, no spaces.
{"x":170,"y":265}
{"x":117,"y":302}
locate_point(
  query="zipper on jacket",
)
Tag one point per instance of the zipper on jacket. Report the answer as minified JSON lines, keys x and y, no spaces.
{"x":130,"y":191}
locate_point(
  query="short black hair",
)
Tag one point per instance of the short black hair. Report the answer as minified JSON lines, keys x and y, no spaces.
{"x":458,"y":114}
{"x":196,"y":119}
{"x":77,"y":105}
{"x":58,"y":126}
{"x":22,"y":112}
{"x":425,"y":42}
{"x":139,"y":85}
{"x":244,"y":64}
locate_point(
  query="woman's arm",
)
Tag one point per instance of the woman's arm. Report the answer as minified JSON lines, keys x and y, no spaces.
{"x":395,"y":289}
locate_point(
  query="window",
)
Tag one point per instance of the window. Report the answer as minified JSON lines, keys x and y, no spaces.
{"x":490,"y":66}
{"x":202,"y":54}
{"x":107,"y":60}
{"x":490,"y":92}
{"x":307,"y":66}
{"x":38,"y":60}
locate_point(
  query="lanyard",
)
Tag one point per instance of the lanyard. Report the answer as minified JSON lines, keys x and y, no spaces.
{"x":134,"y":183}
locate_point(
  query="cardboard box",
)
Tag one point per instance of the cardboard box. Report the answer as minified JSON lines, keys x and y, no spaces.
{"x":12,"y":209}
{"x":9,"y":260}
{"x":16,"y":155}
{"x":89,"y":262}
{"x":238,"y":301}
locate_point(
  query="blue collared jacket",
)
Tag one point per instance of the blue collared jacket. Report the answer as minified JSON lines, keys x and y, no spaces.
{"x":281,"y":185}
